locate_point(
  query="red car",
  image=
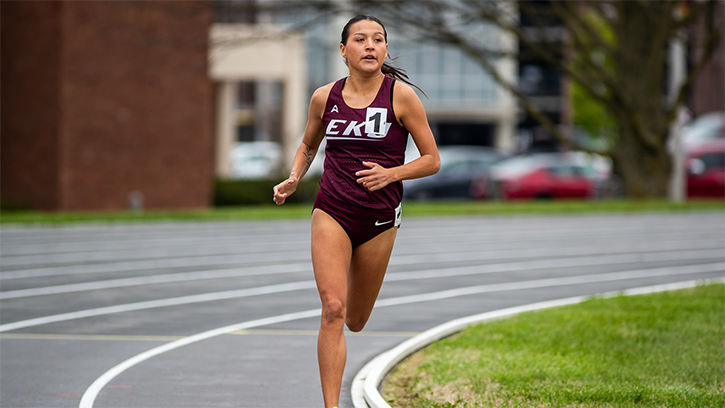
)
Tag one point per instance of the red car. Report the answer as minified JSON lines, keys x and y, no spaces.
{"x":706,"y":170}
{"x":540,"y":176}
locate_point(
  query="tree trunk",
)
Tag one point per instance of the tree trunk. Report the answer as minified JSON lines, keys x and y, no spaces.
{"x":643,"y":172}
{"x":640,"y":158}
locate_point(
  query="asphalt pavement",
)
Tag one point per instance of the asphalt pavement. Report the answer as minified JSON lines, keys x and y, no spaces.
{"x":224,"y":314}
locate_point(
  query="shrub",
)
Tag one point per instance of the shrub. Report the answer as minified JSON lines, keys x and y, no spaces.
{"x":252,"y":192}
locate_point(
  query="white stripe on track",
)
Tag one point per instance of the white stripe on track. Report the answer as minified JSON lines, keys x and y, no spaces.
{"x":402,"y":259}
{"x":543,"y":283}
{"x":287,"y":287}
{"x":128,"y":266}
{"x":89,"y":396}
{"x":303,"y":267}
{"x":156,"y":279}
{"x":431,"y":256}
{"x":183,"y":300}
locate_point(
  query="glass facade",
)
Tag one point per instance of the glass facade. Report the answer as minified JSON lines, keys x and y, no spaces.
{"x":446,"y":75}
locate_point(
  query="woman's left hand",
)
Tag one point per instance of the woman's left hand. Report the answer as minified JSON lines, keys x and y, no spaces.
{"x":375,"y":177}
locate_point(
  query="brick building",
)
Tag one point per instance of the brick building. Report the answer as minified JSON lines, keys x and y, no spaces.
{"x":106,"y":101}
{"x":707,"y":93}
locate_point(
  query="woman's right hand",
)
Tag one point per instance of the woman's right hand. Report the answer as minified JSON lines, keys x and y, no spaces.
{"x":284,"y":190}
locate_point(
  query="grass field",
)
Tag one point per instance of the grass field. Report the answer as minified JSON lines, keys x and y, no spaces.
{"x":658,"y":350}
{"x":292,"y":211}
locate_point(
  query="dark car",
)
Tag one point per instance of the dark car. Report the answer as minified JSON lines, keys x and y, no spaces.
{"x":706,"y":170}
{"x":460,"y":165}
{"x":542,"y":176}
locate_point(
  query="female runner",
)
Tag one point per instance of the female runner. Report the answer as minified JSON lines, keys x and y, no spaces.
{"x":366,"y":118}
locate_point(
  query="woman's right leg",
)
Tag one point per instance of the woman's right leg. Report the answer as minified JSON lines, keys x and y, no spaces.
{"x":331,"y":255}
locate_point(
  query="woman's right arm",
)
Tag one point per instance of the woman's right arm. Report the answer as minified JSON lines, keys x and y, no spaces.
{"x":311,"y":140}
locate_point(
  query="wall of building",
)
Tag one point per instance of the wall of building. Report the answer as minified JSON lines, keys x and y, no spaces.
{"x":707,"y":93}
{"x":134,"y":105}
{"x":259,"y":53}
{"x":30,"y":53}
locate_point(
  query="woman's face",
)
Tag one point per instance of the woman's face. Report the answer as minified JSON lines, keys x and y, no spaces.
{"x":365,"y":49}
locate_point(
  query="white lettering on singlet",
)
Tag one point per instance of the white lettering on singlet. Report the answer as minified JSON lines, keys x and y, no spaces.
{"x":333,"y":124}
{"x":353,"y":129}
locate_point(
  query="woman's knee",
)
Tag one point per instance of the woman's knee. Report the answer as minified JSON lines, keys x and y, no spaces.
{"x":333,"y":311}
{"x":356,"y":323}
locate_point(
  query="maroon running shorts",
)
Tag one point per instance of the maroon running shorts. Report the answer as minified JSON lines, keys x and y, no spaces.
{"x":361,"y":224}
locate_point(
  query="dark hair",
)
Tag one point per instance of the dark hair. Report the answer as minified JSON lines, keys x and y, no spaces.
{"x":387,"y":69}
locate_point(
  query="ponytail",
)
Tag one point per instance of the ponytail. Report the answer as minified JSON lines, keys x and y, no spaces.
{"x":399,"y":74}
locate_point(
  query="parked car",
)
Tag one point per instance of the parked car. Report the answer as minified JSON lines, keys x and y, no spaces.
{"x":253,"y":160}
{"x":706,"y":128}
{"x":543,"y":176}
{"x":706,"y":170}
{"x":460,"y":165}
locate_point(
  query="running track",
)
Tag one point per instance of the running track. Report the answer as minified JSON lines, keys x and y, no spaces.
{"x":225,"y":314}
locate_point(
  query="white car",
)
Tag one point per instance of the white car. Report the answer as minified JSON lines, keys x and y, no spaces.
{"x":255,"y":160}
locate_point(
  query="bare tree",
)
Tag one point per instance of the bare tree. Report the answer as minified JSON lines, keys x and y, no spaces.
{"x":615,"y":50}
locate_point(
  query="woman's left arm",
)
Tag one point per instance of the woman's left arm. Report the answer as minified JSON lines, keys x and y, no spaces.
{"x":411,"y":114}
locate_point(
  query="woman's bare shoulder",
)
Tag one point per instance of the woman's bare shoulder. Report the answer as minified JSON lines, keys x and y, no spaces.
{"x":319,"y":98}
{"x":404,"y":91}
{"x":322,"y":92}
{"x":405,"y":100}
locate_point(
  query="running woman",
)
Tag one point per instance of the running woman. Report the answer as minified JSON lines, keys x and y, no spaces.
{"x":366,"y":118}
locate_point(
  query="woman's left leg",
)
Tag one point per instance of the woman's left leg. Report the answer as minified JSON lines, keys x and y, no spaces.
{"x":367,"y":270}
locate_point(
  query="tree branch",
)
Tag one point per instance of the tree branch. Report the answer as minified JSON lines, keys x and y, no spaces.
{"x":527,"y":104}
{"x":580,"y":25}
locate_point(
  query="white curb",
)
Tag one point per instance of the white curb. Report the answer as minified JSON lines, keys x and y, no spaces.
{"x":365,"y":385}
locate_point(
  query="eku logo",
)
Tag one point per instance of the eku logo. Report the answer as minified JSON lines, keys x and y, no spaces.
{"x":376,"y":125}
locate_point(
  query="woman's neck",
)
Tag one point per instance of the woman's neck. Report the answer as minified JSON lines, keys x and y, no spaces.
{"x":365,"y":84}
{"x":365,"y":78}
{"x":359,"y":92}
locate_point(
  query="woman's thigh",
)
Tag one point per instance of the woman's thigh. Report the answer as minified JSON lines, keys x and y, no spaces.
{"x":331,"y":255}
{"x":367,"y":270}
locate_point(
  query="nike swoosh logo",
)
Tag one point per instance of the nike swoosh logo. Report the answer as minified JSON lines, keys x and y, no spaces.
{"x":378,"y":223}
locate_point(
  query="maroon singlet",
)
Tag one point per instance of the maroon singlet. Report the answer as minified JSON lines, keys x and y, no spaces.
{"x":370,"y":134}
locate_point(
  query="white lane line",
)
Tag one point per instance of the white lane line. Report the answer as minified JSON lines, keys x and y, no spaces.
{"x":101,"y":337}
{"x":407,"y":259}
{"x":306,"y":267}
{"x":287,"y":287}
{"x":542,"y":283}
{"x":365,"y":384}
{"x":128,"y":266}
{"x":89,"y":396}
{"x":557,"y":263}
{"x":156,"y":279}
{"x":551,"y":252}
{"x":183,"y":300}
{"x":54,"y":255}
{"x":436,"y":256}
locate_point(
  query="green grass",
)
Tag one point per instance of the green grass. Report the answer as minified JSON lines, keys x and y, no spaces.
{"x":658,"y":350}
{"x":291,"y":211}
{"x":241,"y":213}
